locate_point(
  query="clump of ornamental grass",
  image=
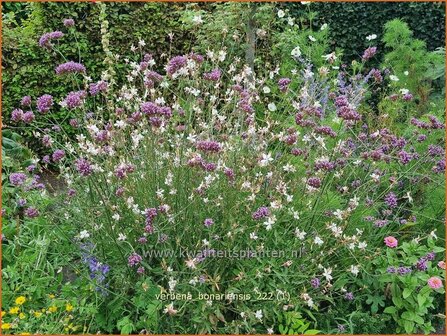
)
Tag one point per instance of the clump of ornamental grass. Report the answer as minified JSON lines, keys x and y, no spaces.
{"x":205,"y":178}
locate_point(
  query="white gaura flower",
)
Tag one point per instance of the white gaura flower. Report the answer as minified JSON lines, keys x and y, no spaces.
{"x":116,"y":217}
{"x":394,"y":78}
{"x":408,"y":196}
{"x":323,"y":27}
{"x":406,"y":73}
{"x":290,"y":21}
{"x":266,"y":89}
{"x":362,"y":245}
{"x":318,"y":241}
{"x":308,"y":74}
{"x":253,"y":236}
{"x":354,"y":270}
{"x":288,"y":168}
{"x":122,"y":237}
{"x":191,"y":263}
{"x":433,"y":234}
{"x":310,"y":303}
{"x":330,"y":57}
{"x":84,"y":234}
{"x":404,"y":91}
{"x":313,"y":39}
{"x":371,"y":37}
{"x":172,"y":283}
{"x":270,"y":331}
{"x":197,"y":19}
{"x":375,"y":177}
{"x":259,"y":315}
{"x":169,"y":309}
{"x":300,"y":234}
{"x":338,"y":214}
{"x":281,"y":13}
{"x":269,"y":222}
{"x":327,"y":273}
{"x":271,"y":107}
{"x":265,"y":160}
{"x":296,"y":52}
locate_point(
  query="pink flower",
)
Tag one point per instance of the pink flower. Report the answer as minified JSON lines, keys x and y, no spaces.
{"x":434,"y":282}
{"x":441,"y":264}
{"x":390,"y":241}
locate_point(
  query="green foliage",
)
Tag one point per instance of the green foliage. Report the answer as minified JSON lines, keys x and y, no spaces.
{"x":411,"y":298}
{"x":410,"y":62}
{"x":351,"y":22}
{"x":293,"y":323}
{"x":15,"y":156}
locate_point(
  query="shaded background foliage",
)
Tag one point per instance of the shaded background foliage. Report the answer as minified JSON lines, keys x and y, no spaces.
{"x":27,"y":68}
{"x":351,"y":22}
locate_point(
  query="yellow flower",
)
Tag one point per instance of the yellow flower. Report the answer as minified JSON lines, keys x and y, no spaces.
{"x":25,"y":333}
{"x":51,"y":296}
{"x":37,"y":314}
{"x":6,"y":326}
{"x":52,"y":309}
{"x":3,"y":313}
{"x":20,"y":300}
{"x":68,"y":307}
{"x":14,"y":310}
{"x":22,"y":316}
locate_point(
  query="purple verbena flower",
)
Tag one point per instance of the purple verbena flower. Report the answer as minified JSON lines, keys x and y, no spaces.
{"x":315,"y":283}
{"x":134,"y":259}
{"x":314,"y":182}
{"x":45,"y":39}
{"x":58,"y":155}
{"x":44,"y":103}
{"x":214,"y":75}
{"x":83,"y":167}
{"x":283,"y":84}
{"x":17,"y":179}
{"x":70,"y":67}
{"x":74,"y":99}
{"x":209,"y":146}
{"x":175,"y":64}
{"x":17,"y":115}
{"x":95,"y":88}
{"x":368,"y":53}
{"x":208,"y":222}
{"x":349,"y":296}
{"x":391,"y":200}
{"x":31,"y":212}
{"x":26,"y":101}
{"x":260,"y":213}
{"x":69,"y":22}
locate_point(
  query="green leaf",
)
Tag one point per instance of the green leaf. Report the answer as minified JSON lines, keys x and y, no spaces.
{"x":390,"y":310}
{"x":421,"y":299}
{"x":408,"y":326}
{"x":311,"y":332}
{"x":407,"y":292}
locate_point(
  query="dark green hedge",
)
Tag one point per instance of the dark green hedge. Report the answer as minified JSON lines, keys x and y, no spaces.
{"x":350,"y":22}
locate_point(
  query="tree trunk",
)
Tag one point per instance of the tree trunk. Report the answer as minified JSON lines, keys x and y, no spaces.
{"x":251,"y":40}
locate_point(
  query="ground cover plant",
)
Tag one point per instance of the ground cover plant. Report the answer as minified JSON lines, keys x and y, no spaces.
{"x":202,"y":195}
